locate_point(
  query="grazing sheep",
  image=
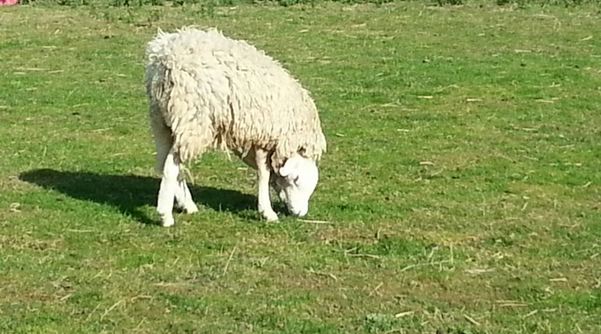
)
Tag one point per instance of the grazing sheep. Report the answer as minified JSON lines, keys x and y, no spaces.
{"x":207,"y":91}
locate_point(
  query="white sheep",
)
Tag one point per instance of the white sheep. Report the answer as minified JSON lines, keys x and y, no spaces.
{"x":207,"y":91}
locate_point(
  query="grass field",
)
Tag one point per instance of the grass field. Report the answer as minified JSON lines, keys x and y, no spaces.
{"x":462,"y":186}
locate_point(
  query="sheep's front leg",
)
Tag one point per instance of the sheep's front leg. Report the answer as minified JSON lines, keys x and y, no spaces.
{"x":183,"y":197}
{"x":263,"y":173}
{"x":169,"y":187}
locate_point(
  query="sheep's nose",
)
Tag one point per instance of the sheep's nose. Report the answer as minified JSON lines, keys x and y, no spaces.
{"x":300,"y":212}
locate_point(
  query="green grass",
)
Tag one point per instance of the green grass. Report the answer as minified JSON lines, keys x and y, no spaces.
{"x":462,"y":180}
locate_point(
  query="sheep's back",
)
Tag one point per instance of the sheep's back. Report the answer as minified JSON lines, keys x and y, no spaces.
{"x":228,"y":94}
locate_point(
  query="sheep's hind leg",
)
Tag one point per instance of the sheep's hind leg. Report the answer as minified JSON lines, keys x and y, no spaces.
{"x":263,"y":173}
{"x":183,"y":197}
{"x":169,"y":188}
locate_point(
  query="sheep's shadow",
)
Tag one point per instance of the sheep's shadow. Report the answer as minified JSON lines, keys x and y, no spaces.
{"x":130,"y":192}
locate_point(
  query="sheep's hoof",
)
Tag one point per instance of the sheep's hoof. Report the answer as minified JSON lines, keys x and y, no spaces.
{"x":270,"y":216}
{"x":192,"y":208}
{"x":167,"y":221}
{"x":188,"y":208}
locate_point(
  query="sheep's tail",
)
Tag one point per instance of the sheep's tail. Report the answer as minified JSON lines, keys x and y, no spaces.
{"x":177,"y":125}
{"x":163,"y":139}
{"x":158,"y":91}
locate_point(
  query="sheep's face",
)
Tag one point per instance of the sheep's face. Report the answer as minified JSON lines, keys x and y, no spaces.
{"x":295,"y":183}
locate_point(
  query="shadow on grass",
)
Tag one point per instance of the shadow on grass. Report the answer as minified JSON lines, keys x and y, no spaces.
{"x":130,"y":192}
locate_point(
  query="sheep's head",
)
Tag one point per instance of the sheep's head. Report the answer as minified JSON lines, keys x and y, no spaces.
{"x":295,"y":182}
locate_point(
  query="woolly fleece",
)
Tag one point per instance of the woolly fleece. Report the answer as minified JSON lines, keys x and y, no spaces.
{"x":215,"y":92}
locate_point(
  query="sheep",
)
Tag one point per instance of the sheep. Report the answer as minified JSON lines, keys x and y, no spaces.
{"x":208,"y":91}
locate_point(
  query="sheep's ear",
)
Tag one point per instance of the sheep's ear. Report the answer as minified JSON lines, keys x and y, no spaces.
{"x":288,"y":168}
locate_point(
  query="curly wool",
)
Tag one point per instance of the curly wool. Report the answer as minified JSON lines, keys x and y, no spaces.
{"x":215,"y":92}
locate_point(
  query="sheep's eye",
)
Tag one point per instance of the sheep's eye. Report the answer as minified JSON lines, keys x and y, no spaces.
{"x":296,"y":179}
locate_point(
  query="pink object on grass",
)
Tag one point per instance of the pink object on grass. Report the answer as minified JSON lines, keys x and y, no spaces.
{"x":8,"y":2}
